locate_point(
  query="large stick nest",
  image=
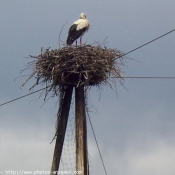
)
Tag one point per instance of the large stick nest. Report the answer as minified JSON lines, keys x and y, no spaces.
{"x":76,"y":65}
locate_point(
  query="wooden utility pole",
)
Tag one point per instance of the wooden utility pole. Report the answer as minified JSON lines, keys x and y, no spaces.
{"x":81,"y":132}
{"x":61,"y":129}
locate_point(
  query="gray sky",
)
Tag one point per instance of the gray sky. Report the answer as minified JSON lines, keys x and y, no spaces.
{"x":135,"y":129}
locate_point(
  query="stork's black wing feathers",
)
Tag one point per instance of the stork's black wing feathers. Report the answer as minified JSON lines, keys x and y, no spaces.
{"x":74,"y":34}
{"x":72,"y":28}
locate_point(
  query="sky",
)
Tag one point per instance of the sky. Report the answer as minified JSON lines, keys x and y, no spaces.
{"x":134,"y":126}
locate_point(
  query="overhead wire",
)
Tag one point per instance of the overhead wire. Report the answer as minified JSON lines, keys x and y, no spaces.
{"x":147,"y":43}
{"x":97,"y":145}
{"x":22,"y":96}
{"x":123,"y":77}
{"x":129,"y":77}
{"x":141,"y":77}
{"x":147,"y":77}
{"x":118,"y":57}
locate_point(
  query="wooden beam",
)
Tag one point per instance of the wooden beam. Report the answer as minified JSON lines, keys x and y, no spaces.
{"x":61,"y":129}
{"x":81,"y":132}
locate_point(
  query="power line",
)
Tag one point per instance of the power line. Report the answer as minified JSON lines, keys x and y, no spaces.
{"x":118,"y":57}
{"x":123,"y":77}
{"x":148,"y":43}
{"x":147,"y":77}
{"x":97,"y":144}
{"x":22,"y":96}
{"x":136,"y":77}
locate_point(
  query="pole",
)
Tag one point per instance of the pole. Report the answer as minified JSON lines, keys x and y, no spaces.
{"x":61,"y":129}
{"x":81,"y":132}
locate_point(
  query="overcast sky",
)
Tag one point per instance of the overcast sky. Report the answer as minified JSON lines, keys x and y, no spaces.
{"x":135,"y":127}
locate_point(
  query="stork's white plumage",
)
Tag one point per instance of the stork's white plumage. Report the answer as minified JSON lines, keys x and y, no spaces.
{"x":78,"y":29}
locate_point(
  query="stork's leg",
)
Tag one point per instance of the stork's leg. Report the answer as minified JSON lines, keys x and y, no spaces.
{"x":76,"y":42}
{"x":80,"y":40}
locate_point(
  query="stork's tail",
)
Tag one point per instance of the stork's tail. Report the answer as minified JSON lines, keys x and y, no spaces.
{"x":69,"y":40}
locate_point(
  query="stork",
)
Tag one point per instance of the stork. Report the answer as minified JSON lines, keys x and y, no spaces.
{"x":78,"y":29}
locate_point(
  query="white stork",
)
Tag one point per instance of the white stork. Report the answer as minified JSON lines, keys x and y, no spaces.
{"x":78,"y":29}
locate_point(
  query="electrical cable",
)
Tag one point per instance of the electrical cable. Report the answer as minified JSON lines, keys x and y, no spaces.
{"x":97,"y":144}
{"x":146,"y":77}
{"x":118,"y":57}
{"x":22,"y":96}
{"x":123,"y":77}
{"x":147,"y":43}
{"x":110,"y":77}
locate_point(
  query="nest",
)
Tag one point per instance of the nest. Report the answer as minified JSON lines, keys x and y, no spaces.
{"x":84,"y":65}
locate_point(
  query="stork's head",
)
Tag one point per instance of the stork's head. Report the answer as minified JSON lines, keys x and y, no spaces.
{"x":82,"y":16}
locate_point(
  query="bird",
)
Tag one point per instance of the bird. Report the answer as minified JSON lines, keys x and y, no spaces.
{"x":78,"y":28}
